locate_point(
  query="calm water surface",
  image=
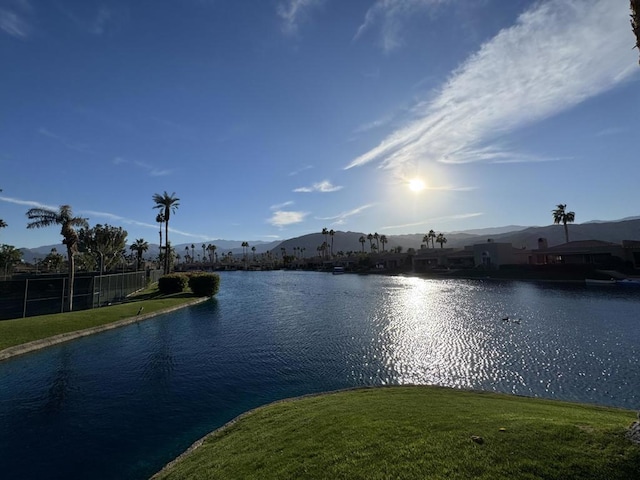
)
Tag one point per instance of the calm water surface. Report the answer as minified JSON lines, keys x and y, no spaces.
{"x":123,"y":403}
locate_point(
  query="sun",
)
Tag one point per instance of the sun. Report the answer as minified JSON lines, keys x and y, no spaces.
{"x":416,"y":185}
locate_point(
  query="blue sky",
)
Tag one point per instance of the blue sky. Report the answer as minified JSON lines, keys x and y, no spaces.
{"x":271,"y":119}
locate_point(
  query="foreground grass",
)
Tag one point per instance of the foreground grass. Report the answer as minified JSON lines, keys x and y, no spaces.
{"x":23,"y":330}
{"x":416,"y":433}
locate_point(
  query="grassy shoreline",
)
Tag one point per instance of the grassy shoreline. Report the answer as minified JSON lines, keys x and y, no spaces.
{"x":414,"y":433}
{"x":23,"y":335}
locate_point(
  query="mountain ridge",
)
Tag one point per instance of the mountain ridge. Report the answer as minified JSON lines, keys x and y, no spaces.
{"x":523,"y":237}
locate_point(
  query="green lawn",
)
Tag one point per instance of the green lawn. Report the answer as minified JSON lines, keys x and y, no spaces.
{"x":418,"y":433}
{"x":23,"y":330}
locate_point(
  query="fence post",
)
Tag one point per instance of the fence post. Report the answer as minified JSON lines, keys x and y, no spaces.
{"x":26,"y":292}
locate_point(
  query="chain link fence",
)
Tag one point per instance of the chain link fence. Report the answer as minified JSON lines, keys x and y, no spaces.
{"x":27,"y":297}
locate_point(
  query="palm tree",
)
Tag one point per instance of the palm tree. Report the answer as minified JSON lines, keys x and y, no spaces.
{"x":3,"y":224}
{"x":425,"y":240}
{"x":432,"y":235}
{"x":167,"y":204}
{"x":560,"y":215}
{"x":43,"y":217}
{"x":160,"y":220}
{"x":193,"y":253}
{"x":186,"y":255}
{"x":325,"y":232}
{"x":331,"y":234}
{"x":377,"y":238}
{"x":140,"y":246}
{"x":383,"y":240}
{"x":204,"y":249}
{"x":362,"y":240}
{"x":441,"y":239}
{"x":370,"y":238}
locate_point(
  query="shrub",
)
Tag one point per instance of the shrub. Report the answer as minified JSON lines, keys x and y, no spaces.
{"x":172,"y":283}
{"x":204,"y":284}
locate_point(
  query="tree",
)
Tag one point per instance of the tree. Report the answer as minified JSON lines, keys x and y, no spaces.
{"x":160,"y":220}
{"x":103,"y":244}
{"x":331,"y":234}
{"x":635,"y":20}
{"x":425,"y":241}
{"x":53,"y":260}
{"x":44,"y":217}
{"x":167,"y":204}
{"x":432,"y":235}
{"x":560,"y":215}
{"x":186,"y":255}
{"x":370,"y":238}
{"x":253,"y":250}
{"x":362,"y":241}
{"x":383,"y":240}
{"x":441,"y":239}
{"x":325,"y":232}
{"x":9,"y":257}
{"x":140,"y":246}
{"x":377,"y":239}
{"x":3,"y":224}
{"x":193,"y":253}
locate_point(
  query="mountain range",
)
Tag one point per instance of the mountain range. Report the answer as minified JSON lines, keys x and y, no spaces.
{"x":518,"y":236}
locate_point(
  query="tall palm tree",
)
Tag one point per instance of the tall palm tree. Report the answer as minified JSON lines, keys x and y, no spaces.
{"x":204,"y":249}
{"x":560,"y":215}
{"x":441,"y":239}
{"x":362,"y":241}
{"x":167,"y":204}
{"x":160,"y":220}
{"x":383,"y":240}
{"x":331,"y":234}
{"x":377,"y":239}
{"x":425,"y":240}
{"x":432,"y":235}
{"x":186,"y":255}
{"x":140,"y":246}
{"x":44,"y":217}
{"x":253,"y":250}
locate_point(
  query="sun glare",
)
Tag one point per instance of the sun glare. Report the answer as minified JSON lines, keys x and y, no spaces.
{"x":416,"y":185}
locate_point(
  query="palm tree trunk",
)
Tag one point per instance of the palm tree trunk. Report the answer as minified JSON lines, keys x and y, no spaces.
{"x":566,"y":232}
{"x":72,"y":269}
{"x":166,"y":249}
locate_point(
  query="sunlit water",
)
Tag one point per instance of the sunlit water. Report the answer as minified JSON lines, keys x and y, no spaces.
{"x":123,"y":403}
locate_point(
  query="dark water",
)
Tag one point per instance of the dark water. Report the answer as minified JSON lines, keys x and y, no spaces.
{"x":123,"y":403}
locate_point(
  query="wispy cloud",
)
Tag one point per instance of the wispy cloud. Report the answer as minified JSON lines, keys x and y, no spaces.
{"x":98,"y":22}
{"x":300,"y":170}
{"x":13,"y":18}
{"x":526,"y":73}
{"x":282,"y":218}
{"x":323,"y":187}
{"x":27,"y":203}
{"x":612,"y":131}
{"x":280,"y":206}
{"x":117,"y":218}
{"x":78,"y":147}
{"x":294,"y":12}
{"x":391,"y":16}
{"x":341,"y":218}
{"x":431,"y":221}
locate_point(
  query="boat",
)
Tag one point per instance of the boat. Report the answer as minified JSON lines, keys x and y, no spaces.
{"x":593,"y":281}
{"x":338,"y":270}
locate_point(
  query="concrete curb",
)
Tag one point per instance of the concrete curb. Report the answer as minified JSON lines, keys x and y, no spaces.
{"x":66,"y":337}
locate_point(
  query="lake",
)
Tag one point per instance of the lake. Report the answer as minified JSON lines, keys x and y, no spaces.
{"x":123,"y":403}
